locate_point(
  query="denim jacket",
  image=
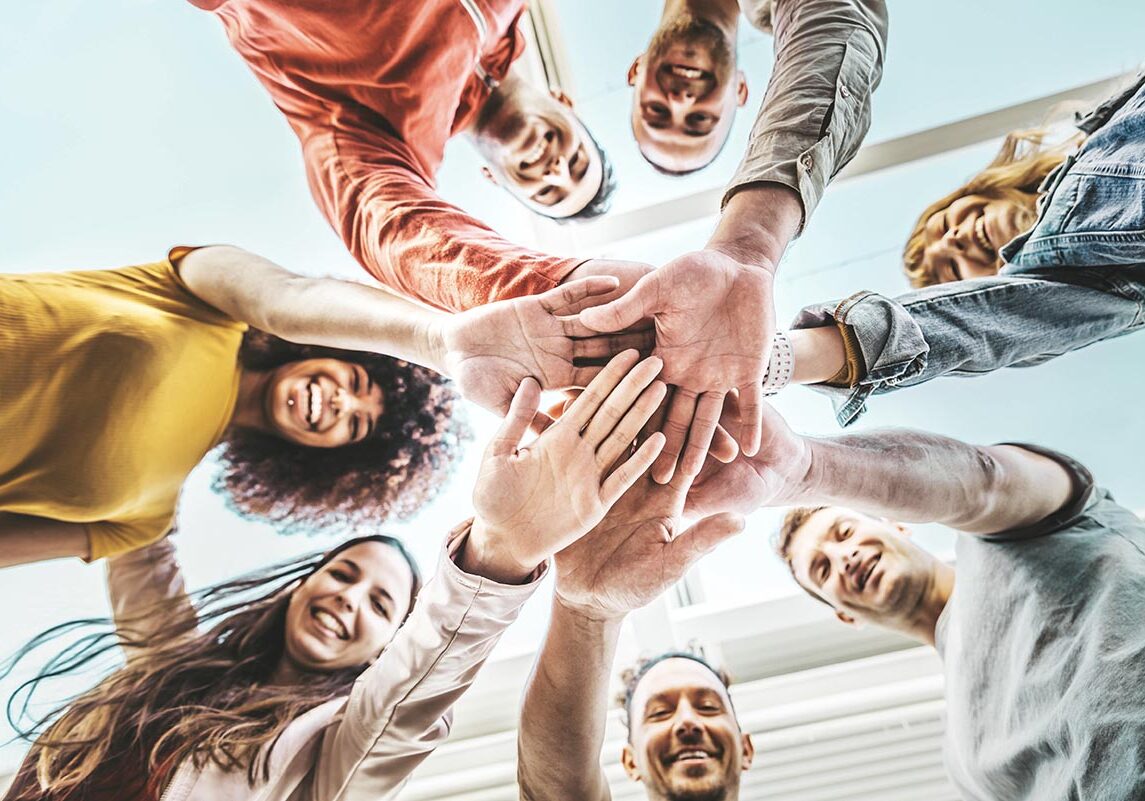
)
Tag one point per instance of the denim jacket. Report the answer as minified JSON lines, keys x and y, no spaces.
{"x":1075,"y":278}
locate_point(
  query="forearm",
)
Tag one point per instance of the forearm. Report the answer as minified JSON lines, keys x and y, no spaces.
{"x":24,"y":539}
{"x":314,"y":311}
{"x":565,"y":709}
{"x":915,"y":476}
{"x":757,"y":223}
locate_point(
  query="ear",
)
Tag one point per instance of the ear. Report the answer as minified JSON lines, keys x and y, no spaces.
{"x":741,"y":88}
{"x":489,"y":176}
{"x":748,"y":751}
{"x":633,"y":69}
{"x":902,"y":529}
{"x":845,"y":618}
{"x":559,"y":96}
{"x":628,"y":760}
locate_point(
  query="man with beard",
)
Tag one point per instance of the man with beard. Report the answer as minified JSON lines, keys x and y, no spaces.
{"x":375,"y":90}
{"x":1040,"y":636}
{"x":684,"y":740}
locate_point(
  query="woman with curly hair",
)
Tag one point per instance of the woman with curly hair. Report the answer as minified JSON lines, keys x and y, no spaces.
{"x":301,"y":681}
{"x":116,"y":383}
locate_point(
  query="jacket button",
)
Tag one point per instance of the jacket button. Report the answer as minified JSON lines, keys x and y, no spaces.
{"x":844,"y":91}
{"x":807,"y":162}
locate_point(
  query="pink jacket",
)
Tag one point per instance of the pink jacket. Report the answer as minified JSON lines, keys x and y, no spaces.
{"x":364,"y":746}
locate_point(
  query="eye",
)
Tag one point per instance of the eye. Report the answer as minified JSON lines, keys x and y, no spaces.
{"x":341,"y":575}
{"x":355,"y":427}
{"x":543,"y":193}
{"x":823,"y":570}
{"x":658,"y":110}
{"x":844,"y":533}
{"x":381,"y":609}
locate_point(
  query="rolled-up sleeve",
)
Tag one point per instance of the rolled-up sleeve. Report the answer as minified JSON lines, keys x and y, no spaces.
{"x":828,"y":60}
{"x":400,"y":709}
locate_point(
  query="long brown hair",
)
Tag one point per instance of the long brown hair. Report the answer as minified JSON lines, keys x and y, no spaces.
{"x":185,"y":693}
{"x":1015,"y":173}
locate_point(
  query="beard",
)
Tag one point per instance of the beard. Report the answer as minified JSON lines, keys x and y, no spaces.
{"x":689,"y":30}
{"x":718,"y":793}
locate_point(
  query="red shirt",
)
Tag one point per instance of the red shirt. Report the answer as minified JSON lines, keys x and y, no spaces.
{"x":374,"y":90}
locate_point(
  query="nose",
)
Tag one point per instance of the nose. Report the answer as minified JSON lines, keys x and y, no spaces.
{"x":851,"y":561}
{"x":687,"y":724}
{"x":557,"y":173}
{"x":682,"y":99}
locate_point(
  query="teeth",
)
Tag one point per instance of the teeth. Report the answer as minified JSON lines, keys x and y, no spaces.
{"x":315,"y":410}
{"x":328,"y":621}
{"x":688,"y":72}
{"x":538,"y":150}
{"x":692,"y":755}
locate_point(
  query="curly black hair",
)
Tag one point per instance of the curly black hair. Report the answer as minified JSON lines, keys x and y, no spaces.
{"x":395,"y":472}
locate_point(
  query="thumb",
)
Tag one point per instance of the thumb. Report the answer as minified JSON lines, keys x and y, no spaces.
{"x":624,"y":312}
{"x":522,"y":410}
{"x":687,"y":548}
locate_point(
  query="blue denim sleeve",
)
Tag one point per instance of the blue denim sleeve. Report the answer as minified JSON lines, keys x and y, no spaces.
{"x":974,"y":327}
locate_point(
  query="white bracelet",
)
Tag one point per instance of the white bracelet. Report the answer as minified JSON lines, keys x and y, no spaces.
{"x":781,"y":365}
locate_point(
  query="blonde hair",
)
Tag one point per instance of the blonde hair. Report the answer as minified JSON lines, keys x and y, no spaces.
{"x":1014,"y":174}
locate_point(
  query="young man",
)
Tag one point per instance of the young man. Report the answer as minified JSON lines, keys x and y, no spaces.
{"x":687,"y":87}
{"x":627,"y":561}
{"x":684,"y":739}
{"x":1041,"y":638}
{"x":374,"y":91}
{"x":713,"y":309}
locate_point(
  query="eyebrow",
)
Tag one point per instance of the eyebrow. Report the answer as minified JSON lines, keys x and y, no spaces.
{"x":358,"y":571}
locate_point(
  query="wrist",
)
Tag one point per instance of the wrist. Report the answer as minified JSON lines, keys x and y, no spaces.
{"x":819,"y":354}
{"x":431,"y":336}
{"x":487,"y":553}
{"x":757,"y":224}
{"x":585,"y":616}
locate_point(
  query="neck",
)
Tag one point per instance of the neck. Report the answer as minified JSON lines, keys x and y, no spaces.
{"x":722,"y":13}
{"x":286,"y":673}
{"x":934,"y":600}
{"x":250,"y":406}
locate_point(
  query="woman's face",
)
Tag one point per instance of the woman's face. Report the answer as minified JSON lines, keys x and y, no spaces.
{"x":345,"y":613}
{"x":323,"y":403}
{"x":963,"y":240}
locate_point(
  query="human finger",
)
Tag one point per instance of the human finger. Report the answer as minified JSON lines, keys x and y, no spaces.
{"x":703,"y":428}
{"x":584,"y":407}
{"x":541,"y":421}
{"x":677,"y":421}
{"x":724,"y":447}
{"x":624,"y":476}
{"x":620,"y":400}
{"x":628,"y":429}
{"x":526,"y":401}
{"x":624,"y":312}
{"x":683,"y":551}
{"x":560,"y":299}
{"x":751,"y":417}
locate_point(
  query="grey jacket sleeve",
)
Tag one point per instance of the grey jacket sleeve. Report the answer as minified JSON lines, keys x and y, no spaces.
{"x":828,"y":60}
{"x":138,"y":581}
{"x":400,"y":709}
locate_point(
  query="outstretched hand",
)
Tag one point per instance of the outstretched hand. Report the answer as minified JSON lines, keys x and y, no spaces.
{"x":714,"y":320}
{"x":774,"y":476}
{"x":490,"y":350}
{"x":637,"y":551}
{"x":533,"y":501}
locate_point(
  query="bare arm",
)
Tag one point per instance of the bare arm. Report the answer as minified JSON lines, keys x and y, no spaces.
{"x":315,"y":311}
{"x":24,"y":539}
{"x":565,"y":709}
{"x":914,"y":476}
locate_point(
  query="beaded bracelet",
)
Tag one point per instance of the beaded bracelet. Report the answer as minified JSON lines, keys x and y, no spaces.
{"x":780,"y":367}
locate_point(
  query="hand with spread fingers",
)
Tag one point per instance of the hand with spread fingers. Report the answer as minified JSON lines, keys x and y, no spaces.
{"x":533,"y":501}
{"x":637,"y":551}
{"x":714,"y":320}
{"x":489,"y":350}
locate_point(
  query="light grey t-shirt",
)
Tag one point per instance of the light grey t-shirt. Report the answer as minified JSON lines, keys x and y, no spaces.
{"x":1043,"y":643}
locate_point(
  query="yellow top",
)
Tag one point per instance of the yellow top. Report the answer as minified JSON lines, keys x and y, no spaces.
{"x":113,"y":385}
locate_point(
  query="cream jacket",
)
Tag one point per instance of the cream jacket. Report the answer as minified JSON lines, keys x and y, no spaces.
{"x":364,"y":746}
{"x":828,"y":60}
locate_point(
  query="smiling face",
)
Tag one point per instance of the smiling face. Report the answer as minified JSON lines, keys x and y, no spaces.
{"x":962,"y":240}
{"x":540,"y":152}
{"x":866,"y":568}
{"x":687,"y":91}
{"x":346,"y":612}
{"x":322,"y":403}
{"x":685,"y":743}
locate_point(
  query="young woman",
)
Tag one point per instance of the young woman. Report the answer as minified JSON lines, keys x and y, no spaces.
{"x":290,"y":683}
{"x":116,"y":383}
{"x":1075,"y":276}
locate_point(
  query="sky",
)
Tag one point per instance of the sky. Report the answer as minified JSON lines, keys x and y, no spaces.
{"x":129,"y":126}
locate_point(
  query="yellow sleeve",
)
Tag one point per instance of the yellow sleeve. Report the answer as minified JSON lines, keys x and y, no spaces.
{"x":111,"y":537}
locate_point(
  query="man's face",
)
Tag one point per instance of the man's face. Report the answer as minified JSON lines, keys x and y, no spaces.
{"x":866,"y":568}
{"x":687,"y":91}
{"x":685,"y":742}
{"x":544,"y":157}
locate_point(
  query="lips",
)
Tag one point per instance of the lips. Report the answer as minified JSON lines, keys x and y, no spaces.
{"x":537,"y":152}
{"x":865,"y":571}
{"x":690,"y":73}
{"x":329,"y":623}
{"x":982,"y":236}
